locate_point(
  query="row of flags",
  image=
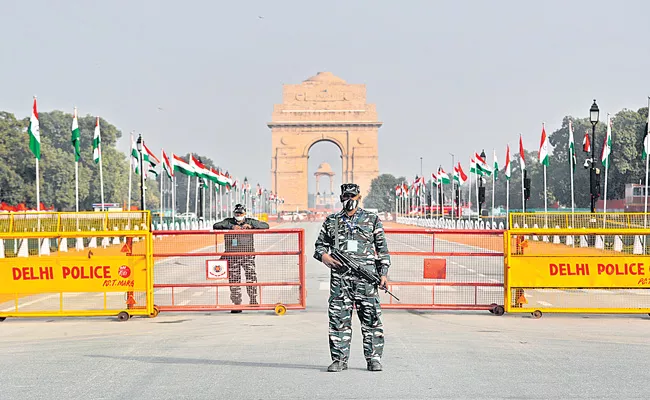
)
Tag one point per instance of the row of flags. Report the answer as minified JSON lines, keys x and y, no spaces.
{"x":151,"y":162}
{"x":479,"y":166}
{"x":193,"y":167}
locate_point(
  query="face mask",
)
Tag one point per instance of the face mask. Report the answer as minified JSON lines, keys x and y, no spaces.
{"x":239,"y":218}
{"x":350,"y":204}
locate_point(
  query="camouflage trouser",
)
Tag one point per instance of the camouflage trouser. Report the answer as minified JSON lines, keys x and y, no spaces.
{"x":346,"y":292}
{"x":235,"y":265}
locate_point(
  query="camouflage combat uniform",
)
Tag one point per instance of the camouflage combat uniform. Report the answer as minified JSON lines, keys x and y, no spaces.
{"x":240,"y":243}
{"x":347,"y":290}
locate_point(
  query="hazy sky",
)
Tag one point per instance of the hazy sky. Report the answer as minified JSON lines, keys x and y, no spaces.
{"x":452,"y":76}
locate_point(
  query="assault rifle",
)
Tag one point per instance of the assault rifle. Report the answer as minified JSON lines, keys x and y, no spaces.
{"x":358,"y":270}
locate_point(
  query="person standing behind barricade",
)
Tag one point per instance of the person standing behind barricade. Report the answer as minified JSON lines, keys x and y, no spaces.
{"x":240,"y":243}
{"x":360,"y":234}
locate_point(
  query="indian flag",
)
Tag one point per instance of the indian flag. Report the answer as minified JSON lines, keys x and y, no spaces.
{"x":459,"y":175}
{"x":434,"y":178}
{"x":229,"y":180}
{"x":135,"y":156}
{"x":222,"y":180}
{"x":607,"y":146}
{"x":586,"y":144}
{"x":543,"y":148}
{"x":572,"y":147}
{"x":76,"y":136}
{"x":496,"y":165}
{"x":34,"y":133}
{"x":212,"y":175}
{"x":178,"y":164}
{"x":149,"y":157}
{"x":97,"y":143}
{"x":522,"y":160}
{"x":482,"y":165}
{"x":443,"y":177}
{"x":473,"y":168}
{"x":167,"y":166}
{"x":198,"y":167}
{"x":507,"y":169}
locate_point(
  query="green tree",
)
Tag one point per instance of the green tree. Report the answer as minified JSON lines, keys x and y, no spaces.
{"x":16,"y":161}
{"x":382,"y":193}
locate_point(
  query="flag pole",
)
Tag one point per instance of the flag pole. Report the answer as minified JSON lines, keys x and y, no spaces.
{"x":76,"y":185}
{"x":162,"y":185}
{"x":101,"y":176}
{"x":545,"y":192}
{"x":173,"y":180}
{"x":469,"y":195}
{"x":99,"y":158}
{"x":523,"y":197}
{"x":187,"y":203}
{"x":494,"y":157}
{"x":507,"y":202}
{"x":144,"y":187}
{"x":609,"y":130}
{"x":130,"y":173}
{"x":431,"y":205}
{"x":478,"y":215}
{"x":38,"y":188}
{"x":196,"y":197}
{"x":646,"y":146}
{"x":76,"y":170}
{"x":571,"y":167}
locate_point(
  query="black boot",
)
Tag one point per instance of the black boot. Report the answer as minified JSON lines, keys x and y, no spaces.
{"x":235,"y":311}
{"x":337,"y":366}
{"x":374,"y":365}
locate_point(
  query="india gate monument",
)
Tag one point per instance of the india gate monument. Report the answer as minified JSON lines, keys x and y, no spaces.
{"x":322,"y":108}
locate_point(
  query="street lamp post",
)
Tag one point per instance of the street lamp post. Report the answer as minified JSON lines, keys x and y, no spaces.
{"x":139,"y":146}
{"x":594,"y":184}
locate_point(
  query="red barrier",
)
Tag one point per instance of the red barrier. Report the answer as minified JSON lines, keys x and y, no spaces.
{"x":229,"y":270}
{"x":445,"y":269}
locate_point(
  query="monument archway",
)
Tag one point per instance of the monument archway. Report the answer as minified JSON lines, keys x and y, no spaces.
{"x":322,"y":108}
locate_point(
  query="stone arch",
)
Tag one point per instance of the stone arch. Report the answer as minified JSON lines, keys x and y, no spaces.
{"x":334,"y":141}
{"x":323,"y":108}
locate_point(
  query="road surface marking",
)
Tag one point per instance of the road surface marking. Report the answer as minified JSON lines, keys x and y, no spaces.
{"x":29,"y":303}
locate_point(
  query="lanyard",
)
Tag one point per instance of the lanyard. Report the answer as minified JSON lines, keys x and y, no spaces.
{"x":351,"y":223}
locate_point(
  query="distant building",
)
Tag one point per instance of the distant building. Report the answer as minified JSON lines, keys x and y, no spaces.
{"x":633,"y":201}
{"x":107,"y":207}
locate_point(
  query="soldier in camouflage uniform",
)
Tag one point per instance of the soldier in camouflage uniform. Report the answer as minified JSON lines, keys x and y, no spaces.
{"x":238,"y":243}
{"x":361,"y":234}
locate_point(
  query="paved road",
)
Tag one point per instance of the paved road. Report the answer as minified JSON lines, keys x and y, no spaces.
{"x":258,"y":355}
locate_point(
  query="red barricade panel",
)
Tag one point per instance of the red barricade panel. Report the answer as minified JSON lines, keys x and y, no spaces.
{"x":444,"y":269}
{"x":196,"y":270}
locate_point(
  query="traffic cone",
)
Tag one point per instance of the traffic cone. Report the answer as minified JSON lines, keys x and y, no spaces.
{"x":618,"y":243}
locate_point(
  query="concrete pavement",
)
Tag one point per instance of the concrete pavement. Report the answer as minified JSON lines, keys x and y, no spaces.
{"x":258,"y":355}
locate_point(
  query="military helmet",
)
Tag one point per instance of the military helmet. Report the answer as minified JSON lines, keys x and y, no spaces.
{"x":350,"y":189}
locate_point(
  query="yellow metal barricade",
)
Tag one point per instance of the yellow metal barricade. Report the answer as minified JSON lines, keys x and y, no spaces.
{"x":577,"y":270}
{"x":76,"y":264}
{"x":564,"y":220}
